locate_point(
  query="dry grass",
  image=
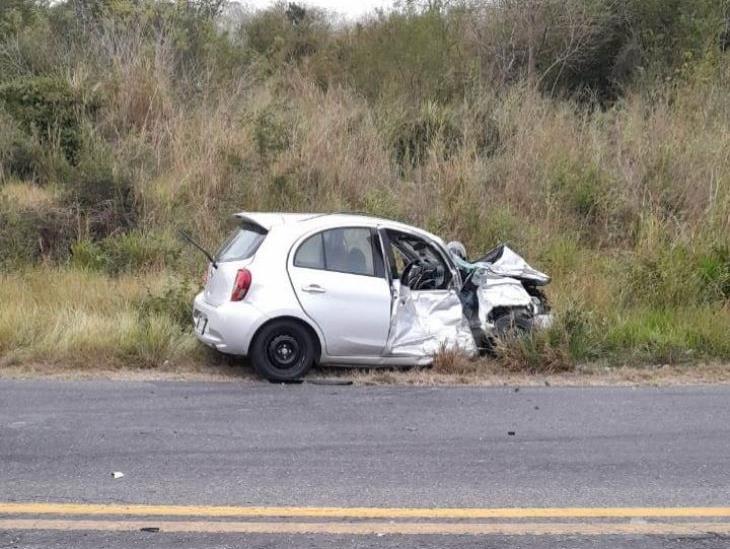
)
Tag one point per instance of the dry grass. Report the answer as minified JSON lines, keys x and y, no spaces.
{"x":485,"y":374}
{"x":626,"y":206}
{"x":83,"y":319}
{"x":27,"y":196}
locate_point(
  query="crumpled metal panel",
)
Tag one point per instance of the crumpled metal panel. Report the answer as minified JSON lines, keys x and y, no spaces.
{"x":500,"y":292}
{"x":424,"y":322}
{"x":513,"y":265}
{"x":510,"y":264}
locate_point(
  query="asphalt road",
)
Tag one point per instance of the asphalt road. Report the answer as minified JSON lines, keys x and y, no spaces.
{"x":257,"y":444}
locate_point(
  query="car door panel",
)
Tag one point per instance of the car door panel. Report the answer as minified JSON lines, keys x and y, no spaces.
{"x":423,"y":321}
{"x":351,"y":310}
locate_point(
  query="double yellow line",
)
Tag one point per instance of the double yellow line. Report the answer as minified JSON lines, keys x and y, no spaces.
{"x":367,"y":520}
{"x":215,"y":511}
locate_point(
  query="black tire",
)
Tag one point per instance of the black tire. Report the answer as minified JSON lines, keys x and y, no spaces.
{"x":509,"y":325}
{"x":514,"y":324}
{"x":283,"y":350}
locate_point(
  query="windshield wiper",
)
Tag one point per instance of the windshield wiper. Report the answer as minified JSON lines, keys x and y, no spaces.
{"x":189,"y":238}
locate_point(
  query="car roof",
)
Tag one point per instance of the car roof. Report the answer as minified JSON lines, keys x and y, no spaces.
{"x":305,"y":222}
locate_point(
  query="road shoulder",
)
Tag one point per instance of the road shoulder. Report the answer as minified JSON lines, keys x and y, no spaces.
{"x":485,"y":375}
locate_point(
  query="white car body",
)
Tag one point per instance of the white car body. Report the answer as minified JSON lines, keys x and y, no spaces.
{"x":357,"y":319}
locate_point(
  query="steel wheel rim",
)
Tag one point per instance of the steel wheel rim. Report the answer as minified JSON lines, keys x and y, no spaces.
{"x":284,"y":351}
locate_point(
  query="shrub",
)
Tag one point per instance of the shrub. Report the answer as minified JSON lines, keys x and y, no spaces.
{"x":270,"y":133}
{"x":434,"y":126}
{"x":286,"y":33}
{"x":16,"y":15}
{"x":126,"y":253}
{"x":676,"y":275}
{"x":583,"y":191}
{"x":49,"y":108}
{"x":173,"y":301}
{"x":31,"y":231}
{"x":714,"y":270}
{"x":19,"y":152}
{"x":98,"y":181}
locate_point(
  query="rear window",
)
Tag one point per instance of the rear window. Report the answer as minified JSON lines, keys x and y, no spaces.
{"x":242,"y":243}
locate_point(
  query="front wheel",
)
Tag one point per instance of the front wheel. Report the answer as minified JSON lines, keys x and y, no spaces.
{"x":283,"y":351}
{"x":512,"y":325}
{"x":509,"y":326}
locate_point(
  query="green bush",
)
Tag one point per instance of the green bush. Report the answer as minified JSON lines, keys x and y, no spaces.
{"x":408,"y":53}
{"x":49,"y":108}
{"x":286,"y":33}
{"x":670,"y":276}
{"x":714,"y":271}
{"x":28,"y":235}
{"x":583,"y":188}
{"x":270,"y":132}
{"x":19,"y":152}
{"x":126,"y":253}
{"x":17,"y":14}
{"x":434,"y":127}
{"x":98,"y":178}
{"x":172,"y":302}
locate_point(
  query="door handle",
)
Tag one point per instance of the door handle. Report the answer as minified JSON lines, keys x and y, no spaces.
{"x":313,"y":289}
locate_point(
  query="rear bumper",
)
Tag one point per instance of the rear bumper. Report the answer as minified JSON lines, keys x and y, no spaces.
{"x":229,"y":327}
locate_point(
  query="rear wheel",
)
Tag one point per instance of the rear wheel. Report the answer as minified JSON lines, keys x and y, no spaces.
{"x":283,"y":350}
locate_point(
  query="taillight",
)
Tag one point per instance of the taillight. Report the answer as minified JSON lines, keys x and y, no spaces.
{"x":241,"y":285}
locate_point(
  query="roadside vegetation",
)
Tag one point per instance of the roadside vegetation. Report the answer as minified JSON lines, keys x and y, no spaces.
{"x":592,"y":136}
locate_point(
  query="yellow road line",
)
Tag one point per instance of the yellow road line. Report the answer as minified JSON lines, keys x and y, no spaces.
{"x":9,"y":508}
{"x":364,"y":528}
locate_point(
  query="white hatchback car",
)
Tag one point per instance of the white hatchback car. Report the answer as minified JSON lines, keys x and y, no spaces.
{"x":289,"y":290}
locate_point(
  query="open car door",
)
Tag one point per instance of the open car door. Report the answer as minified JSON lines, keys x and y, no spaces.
{"x":426,"y":313}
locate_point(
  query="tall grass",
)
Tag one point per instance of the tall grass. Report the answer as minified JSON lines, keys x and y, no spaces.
{"x":86,"y":319}
{"x":625,"y":201}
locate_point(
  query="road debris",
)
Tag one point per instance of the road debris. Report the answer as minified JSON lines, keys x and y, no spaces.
{"x":316,"y":381}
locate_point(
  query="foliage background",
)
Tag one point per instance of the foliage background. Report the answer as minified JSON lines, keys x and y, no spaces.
{"x":592,"y":135}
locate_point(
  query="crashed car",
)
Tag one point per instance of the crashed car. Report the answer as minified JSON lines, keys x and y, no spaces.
{"x":501,"y":294}
{"x":292,"y":290}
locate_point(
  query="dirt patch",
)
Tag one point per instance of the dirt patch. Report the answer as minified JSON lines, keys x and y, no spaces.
{"x":483,"y":374}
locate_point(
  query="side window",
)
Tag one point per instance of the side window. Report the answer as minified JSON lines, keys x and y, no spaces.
{"x":348,"y":250}
{"x":311,"y":253}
